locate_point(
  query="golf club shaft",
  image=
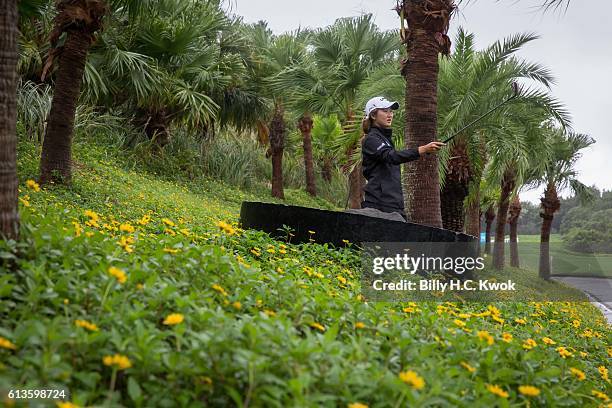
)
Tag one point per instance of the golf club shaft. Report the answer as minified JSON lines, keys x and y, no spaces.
{"x":480,"y":118}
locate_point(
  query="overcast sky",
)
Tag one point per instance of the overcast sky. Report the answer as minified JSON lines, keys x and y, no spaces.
{"x":575,"y":45}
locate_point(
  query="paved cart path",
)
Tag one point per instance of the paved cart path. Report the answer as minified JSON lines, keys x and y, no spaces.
{"x":599,"y":291}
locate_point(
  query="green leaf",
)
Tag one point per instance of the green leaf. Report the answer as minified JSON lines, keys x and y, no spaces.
{"x":134,"y":390}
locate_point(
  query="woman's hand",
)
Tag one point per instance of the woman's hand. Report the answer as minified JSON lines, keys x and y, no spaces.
{"x":432,"y":147}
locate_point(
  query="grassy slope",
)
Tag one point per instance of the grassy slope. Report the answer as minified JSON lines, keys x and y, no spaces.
{"x":564,"y":262}
{"x":265,"y":324}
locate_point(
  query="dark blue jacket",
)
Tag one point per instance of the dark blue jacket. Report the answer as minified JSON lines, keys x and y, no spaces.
{"x":380,"y":163}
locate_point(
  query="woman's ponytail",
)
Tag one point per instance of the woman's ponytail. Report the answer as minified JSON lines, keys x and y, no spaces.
{"x":365,"y":125}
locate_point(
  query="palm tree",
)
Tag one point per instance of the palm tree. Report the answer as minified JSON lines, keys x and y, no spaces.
{"x":284,"y":51}
{"x":325,"y":133}
{"x":514,"y":212}
{"x":79,"y":21}
{"x":489,"y":217}
{"x":470,"y":84}
{"x":523,"y":148}
{"x":344,"y":54}
{"x":425,"y":38}
{"x":9,"y":215}
{"x":489,"y":196}
{"x":557,"y":174}
{"x":305,"y":125}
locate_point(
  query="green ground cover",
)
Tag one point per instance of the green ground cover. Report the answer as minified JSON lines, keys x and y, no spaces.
{"x":564,"y":262}
{"x":129,"y":290}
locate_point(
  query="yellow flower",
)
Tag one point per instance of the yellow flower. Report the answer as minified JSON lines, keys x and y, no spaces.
{"x":173,"y":319}
{"x":413,"y":379}
{"x":497,"y":390}
{"x":604,"y":372}
{"x":270,"y":313}
{"x":360,"y":325}
{"x":139,"y":286}
{"x":225,"y":227}
{"x":459,"y":323}
{"x":126,"y":228}
{"x":66,"y":404}
{"x":93,"y":221}
{"x":5,"y":343}
{"x":520,"y":321}
{"x":168,"y":222}
{"x":547,"y":340}
{"x":578,"y":373}
{"x":484,"y":335}
{"x":341,"y":279}
{"x":609,"y":350}
{"x":86,"y":325}
{"x":92,"y":215}
{"x":529,"y":344}
{"x":600,"y":395}
{"x":507,"y":337}
{"x":171,"y":250}
{"x":357,"y":405}
{"x":118,"y":360}
{"x":77,"y":228}
{"x":563,"y":352}
{"x":117,"y":273}
{"x":237,"y":305}
{"x":497,"y":319}
{"x":219,"y":289}
{"x":126,"y":244}
{"x":467,"y":367}
{"x":576,"y":323}
{"x":32,"y":185}
{"x":529,"y":390}
{"x":144,"y":220}
{"x":317,"y":326}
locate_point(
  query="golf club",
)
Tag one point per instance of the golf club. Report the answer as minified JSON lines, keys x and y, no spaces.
{"x":515,"y":93}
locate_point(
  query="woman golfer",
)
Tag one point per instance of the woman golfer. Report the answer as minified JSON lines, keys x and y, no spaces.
{"x":380,"y":160}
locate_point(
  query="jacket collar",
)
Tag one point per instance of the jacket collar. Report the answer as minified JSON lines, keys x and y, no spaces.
{"x":385,"y":132}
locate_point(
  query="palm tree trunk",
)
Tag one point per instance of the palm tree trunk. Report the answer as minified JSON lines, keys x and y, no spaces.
{"x":9,"y":215}
{"x":456,"y":188}
{"x":508,"y":182}
{"x":277,"y":146}
{"x":56,"y":161}
{"x":326,"y":169}
{"x":425,"y":39}
{"x":550,"y":204}
{"x":489,"y":217}
{"x":305,"y":126}
{"x":515,"y":212}
{"x":356,"y":179}
{"x":473,"y":216}
{"x":356,"y":187}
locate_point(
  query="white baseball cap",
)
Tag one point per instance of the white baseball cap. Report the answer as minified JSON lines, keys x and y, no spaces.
{"x":379,"y":102}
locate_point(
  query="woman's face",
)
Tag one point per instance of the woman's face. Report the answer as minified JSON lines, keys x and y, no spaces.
{"x":383,"y":117}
